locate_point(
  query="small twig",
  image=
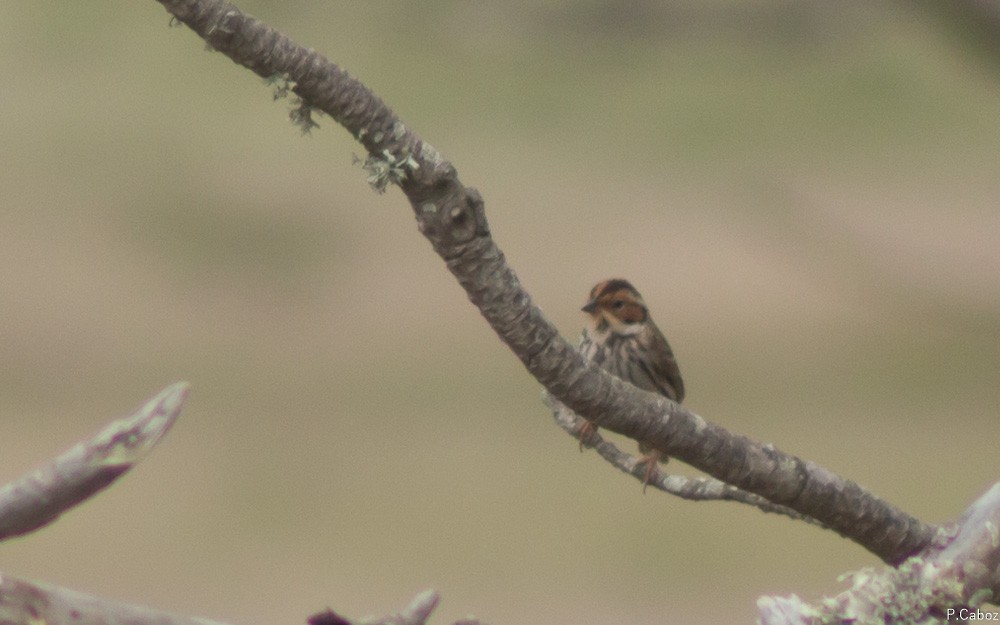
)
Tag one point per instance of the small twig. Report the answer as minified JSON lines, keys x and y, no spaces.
{"x":690,"y":488}
{"x":38,"y":498}
{"x":420,"y":608}
{"x":416,"y":613}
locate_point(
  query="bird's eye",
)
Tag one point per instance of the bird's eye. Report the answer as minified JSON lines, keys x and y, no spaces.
{"x":618,"y":304}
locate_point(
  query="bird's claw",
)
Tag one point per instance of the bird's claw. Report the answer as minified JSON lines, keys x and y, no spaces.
{"x":586,"y":432}
{"x":651,"y":473}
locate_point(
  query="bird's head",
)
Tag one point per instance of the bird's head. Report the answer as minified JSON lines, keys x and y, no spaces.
{"x":615,"y":306}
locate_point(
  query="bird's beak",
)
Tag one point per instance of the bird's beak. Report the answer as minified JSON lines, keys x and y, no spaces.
{"x":590,"y":307}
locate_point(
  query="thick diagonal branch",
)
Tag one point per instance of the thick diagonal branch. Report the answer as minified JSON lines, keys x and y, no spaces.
{"x":452,"y":217}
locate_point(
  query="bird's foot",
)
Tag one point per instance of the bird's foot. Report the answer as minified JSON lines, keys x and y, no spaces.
{"x":651,"y":459}
{"x":585,"y":433}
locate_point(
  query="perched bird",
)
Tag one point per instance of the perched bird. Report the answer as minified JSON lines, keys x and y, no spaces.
{"x":622,"y":339}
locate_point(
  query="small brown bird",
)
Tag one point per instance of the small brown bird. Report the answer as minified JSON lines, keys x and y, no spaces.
{"x":622,"y":339}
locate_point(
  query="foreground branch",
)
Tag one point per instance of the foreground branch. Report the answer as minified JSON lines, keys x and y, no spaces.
{"x":416,"y":613}
{"x":452,"y":217}
{"x":34,"y":603}
{"x":39,"y":497}
{"x":25,"y":602}
{"x":946,"y":584}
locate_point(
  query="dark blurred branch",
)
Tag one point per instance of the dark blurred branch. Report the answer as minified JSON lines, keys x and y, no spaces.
{"x":39,"y":497}
{"x":452,"y":217}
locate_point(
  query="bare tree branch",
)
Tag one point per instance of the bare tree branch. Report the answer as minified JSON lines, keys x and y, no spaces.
{"x":25,"y":602}
{"x":693,"y":489}
{"x":33,"y":603}
{"x":38,"y":498}
{"x":416,"y":613}
{"x":41,"y":496}
{"x":452,"y":217}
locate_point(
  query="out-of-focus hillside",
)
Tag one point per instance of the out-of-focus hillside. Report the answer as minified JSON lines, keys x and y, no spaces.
{"x":806,"y":194}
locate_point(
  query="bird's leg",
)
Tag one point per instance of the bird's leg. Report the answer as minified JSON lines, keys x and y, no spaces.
{"x":586,"y":432}
{"x":651,"y":457}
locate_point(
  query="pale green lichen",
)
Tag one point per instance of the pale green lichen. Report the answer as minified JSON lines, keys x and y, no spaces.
{"x":980,"y":597}
{"x":302,"y":112}
{"x":385,"y":169}
{"x":302,"y":115}
{"x":281,"y":84}
{"x":914,"y":593}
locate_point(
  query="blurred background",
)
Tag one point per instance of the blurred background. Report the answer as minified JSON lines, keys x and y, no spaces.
{"x":806,"y":194}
